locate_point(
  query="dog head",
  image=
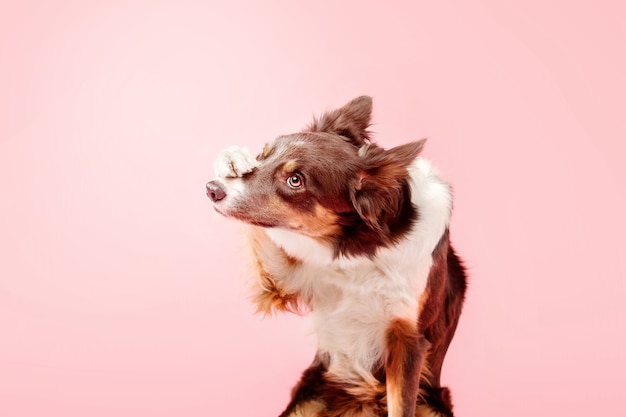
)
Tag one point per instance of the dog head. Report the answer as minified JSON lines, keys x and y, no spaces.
{"x":329,"y":182}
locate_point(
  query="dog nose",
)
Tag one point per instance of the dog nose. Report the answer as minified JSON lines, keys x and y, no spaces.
{"x":215,"y":191}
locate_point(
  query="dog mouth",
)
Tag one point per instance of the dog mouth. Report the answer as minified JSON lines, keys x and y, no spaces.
{"x":261,"y":223}
{"x":219,"y":211}
{"x":249,"y":220}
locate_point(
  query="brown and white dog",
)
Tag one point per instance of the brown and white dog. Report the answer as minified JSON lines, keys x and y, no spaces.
{"x":358,"y":236}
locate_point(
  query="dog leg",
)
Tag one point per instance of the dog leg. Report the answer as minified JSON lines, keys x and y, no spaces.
{"x":273,"y":267}
{"x":444,"y":302}
{"x":405,"y":350}
{"x":305,"y":396}
{"x":318,"y":395}
{"x":234,"y":161}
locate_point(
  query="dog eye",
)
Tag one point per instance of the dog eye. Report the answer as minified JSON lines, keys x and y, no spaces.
{"x":295,"y":181}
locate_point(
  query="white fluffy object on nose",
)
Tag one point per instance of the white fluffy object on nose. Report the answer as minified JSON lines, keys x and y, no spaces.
{"x":234,"y":162}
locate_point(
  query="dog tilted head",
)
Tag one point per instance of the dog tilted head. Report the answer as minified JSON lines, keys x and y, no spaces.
{"x":329,"y":182}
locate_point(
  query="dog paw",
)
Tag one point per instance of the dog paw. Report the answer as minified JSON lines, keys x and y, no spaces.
{"x":234,"y":161}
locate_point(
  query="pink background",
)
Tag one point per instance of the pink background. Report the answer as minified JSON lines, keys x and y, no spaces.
{"x":122,"y":292}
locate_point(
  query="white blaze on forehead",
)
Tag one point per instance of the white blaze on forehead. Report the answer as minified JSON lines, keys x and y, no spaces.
{"x":234,"y":162}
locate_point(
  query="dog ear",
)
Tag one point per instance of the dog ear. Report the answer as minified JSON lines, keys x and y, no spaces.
{"x":379,"y":193}
{"x":350,"y":121}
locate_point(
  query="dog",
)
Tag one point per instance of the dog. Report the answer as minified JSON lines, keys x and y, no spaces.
{"x":357,"y":236}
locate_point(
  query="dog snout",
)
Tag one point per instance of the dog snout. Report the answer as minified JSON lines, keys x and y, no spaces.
{"x":215,"y":191}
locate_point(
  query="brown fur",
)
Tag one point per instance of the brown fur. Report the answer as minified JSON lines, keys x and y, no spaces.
{"x":404,"y":357}
{"x":350,"y":122}
{"x":356,"y":202}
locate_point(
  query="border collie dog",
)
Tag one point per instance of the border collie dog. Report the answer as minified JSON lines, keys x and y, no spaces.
{"x":357,"y":236}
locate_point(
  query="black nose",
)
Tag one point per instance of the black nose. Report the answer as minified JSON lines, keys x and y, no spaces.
{"x":215,"y":191}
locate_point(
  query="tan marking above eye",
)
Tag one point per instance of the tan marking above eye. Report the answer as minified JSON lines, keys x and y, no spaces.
{"x":267,"y":150}
{"x":291,"y":166}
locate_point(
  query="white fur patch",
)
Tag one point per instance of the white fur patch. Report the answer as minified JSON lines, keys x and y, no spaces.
{"x":302,"y":247}
{"x":230,"y":165}
{"x":234,"y":161}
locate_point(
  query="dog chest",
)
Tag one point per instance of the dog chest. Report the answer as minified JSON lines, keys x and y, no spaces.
{"x":352,"y":310}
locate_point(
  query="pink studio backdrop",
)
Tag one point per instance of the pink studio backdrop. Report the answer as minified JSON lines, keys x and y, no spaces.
{"x":122,"y":292}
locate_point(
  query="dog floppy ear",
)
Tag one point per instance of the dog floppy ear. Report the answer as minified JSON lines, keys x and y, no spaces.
{"x":379,"y":194}
{"x":350,"y":121}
